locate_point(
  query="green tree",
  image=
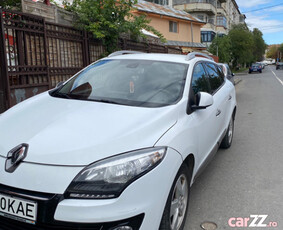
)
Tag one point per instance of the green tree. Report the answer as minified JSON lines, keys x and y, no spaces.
{"x":10,"y":4}
{"x":222,"y":47}
{"x":108,"y":19}
{"x":259,"y":45}
{"x":280,"y":49}
{"x":272,"y":52}
{"x":242,"y":45}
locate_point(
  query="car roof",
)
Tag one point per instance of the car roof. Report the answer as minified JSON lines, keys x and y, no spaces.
{"x":158,"y":57}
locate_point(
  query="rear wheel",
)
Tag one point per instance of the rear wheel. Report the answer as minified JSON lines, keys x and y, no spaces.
{"x":227,"y":140}
{"x":174,"y":215}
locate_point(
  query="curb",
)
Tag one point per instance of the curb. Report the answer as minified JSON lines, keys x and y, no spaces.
{"x":242,"y":73}
{"x":238,"y":81}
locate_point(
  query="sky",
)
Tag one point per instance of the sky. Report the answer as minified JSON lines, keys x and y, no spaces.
{"x":266,"y":15}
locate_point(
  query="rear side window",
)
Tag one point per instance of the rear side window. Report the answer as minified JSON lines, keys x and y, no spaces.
{"x":199,"y":80}
{"x":228,"y":70}
{"x":215,"y":76}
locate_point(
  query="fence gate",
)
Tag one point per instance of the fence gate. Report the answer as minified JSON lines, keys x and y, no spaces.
{"x":36,"y":55}
{"x":25,"y":56}
{"x":3,"y":69}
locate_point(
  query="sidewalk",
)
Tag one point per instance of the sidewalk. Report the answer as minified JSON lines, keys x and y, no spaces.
{"x":238,"y":76}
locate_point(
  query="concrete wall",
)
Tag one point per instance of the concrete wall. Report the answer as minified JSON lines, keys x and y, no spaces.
{"x":50,"y":13}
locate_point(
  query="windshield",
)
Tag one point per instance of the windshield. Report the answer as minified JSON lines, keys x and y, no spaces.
{"x":128,"y":82}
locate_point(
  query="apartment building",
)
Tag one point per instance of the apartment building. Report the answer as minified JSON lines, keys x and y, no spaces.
{"x":180,"y":28}
{"x":219,"y":15}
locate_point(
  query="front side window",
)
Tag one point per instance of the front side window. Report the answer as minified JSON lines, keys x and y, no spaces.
{"x":215,"y":76}
{"x":129,"y":82}
{"x":199,"y":80}
{"x":173,"y":27}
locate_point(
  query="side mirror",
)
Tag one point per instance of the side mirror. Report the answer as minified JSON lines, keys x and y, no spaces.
{"x":233,"y":74}
{"x":203,"y":100}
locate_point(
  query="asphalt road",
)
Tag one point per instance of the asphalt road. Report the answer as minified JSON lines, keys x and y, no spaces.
{"x":246,"y":179}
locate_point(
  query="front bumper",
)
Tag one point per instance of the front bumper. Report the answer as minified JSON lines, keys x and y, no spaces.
{"x":141,"y":204}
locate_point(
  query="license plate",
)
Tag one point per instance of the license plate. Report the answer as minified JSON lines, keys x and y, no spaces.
{"x":18,"y":209}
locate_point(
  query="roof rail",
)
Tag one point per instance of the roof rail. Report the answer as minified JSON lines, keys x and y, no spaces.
{"x":192,"y":55}
{"x":122,"y":52}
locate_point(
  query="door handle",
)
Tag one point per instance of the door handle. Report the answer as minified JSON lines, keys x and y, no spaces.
{"x":218,"y":112}
{"x":230,"y":97}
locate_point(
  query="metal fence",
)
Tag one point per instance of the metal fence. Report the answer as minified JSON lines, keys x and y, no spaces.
{"x":35,"y":55}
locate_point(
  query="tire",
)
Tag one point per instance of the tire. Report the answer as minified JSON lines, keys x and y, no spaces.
{"x":250,"y":72}
{"x":228,"y":138}
{"x":175,"y":219}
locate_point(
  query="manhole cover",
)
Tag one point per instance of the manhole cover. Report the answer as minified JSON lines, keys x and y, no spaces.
{"x":208,"y":226}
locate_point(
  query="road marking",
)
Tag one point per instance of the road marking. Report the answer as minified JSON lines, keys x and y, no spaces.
{"x":277,"y":77}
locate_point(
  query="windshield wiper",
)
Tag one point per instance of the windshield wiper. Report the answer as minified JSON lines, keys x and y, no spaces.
{"x":106,"y":101}
{"x":62,"y":95}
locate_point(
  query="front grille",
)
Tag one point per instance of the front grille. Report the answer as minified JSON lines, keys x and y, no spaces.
{"x":9,"y":224}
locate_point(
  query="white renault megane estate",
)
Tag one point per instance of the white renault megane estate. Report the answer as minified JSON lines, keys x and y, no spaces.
{"x":117,"y":146}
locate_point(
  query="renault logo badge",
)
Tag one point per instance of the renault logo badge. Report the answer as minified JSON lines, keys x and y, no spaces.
{"x":15,"y":157}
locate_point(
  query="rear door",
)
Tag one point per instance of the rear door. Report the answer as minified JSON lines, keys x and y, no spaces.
{"x":220,"y":96}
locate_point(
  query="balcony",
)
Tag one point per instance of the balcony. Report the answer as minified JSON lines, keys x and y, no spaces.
{"x":199,"y":6}
{"x":209,"y":26}
{"x":221,"y":11}
{"x":221,"y":21}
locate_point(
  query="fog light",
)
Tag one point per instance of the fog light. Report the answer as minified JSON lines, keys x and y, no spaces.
{"x":123,"y":228}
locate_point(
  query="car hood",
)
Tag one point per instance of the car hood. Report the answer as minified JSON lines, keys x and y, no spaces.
{"x":73,"y":132}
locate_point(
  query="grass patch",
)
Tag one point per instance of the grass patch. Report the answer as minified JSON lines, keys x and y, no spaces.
{"x":241,"y":70}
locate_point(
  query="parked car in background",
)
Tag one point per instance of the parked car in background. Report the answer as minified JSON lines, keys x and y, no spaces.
{"x":255,"y":67}
{"x":279,"y":65}
{"x":117,"y":146}
{"x":261,"y":64}
{"x":227,"y":72}
{"x":269,"y":61}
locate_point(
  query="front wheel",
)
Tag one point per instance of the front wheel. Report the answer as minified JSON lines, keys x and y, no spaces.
{"x":227,"y":140}
{"x":175,"y":212}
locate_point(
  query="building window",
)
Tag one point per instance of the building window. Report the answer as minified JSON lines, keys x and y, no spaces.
{"x":211,"y":21}
{"x":200,"y":17}
{"x":173,"y":27}
{"x":207,"y":36}
{"x":221,"y":21}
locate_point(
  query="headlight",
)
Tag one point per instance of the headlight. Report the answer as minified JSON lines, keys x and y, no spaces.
{"x":109,"y":177}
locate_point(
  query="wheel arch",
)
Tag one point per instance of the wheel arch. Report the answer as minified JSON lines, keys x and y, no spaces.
{"x":234,"y":112}
{"x":190,"y":162}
